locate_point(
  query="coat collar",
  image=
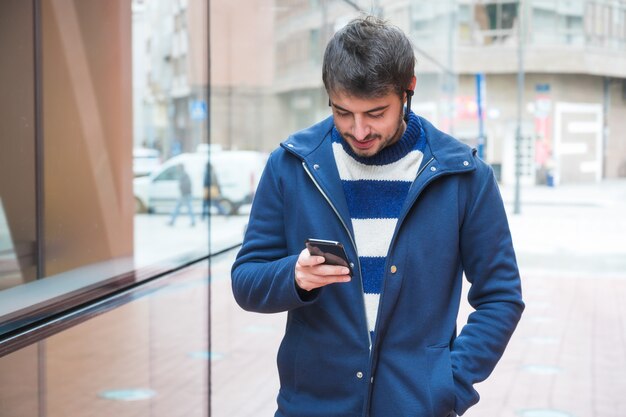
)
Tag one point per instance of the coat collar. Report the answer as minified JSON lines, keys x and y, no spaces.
{"x":313,"y":146}
{"x":450,"y":155}
{"x":445,"y":153}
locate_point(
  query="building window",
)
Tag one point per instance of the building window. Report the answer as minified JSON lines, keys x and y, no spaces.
{"x":605,"y":25}
{"x":431,"y":22}
{"x":495,"y":21}
{"x":315,"y":48}
{"x":557,"y":22}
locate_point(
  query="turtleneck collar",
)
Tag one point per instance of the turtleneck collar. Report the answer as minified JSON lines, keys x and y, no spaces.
{"x":413,"y":138}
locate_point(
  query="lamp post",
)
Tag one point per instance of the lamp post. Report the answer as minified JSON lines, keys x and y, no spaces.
{"x":480,"y":102}
{"x":520,"y":97}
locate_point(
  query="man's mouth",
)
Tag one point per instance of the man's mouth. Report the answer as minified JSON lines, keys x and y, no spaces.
{"x":364,"y":144}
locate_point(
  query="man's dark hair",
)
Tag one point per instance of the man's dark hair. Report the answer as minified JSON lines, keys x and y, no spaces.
{"x":368,"y":58}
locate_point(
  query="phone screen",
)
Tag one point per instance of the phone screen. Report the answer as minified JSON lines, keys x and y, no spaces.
{"x":332,"y":251}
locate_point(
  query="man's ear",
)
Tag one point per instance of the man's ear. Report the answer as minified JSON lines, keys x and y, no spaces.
{"x":411,"y":87}
{"x":407,"y":98}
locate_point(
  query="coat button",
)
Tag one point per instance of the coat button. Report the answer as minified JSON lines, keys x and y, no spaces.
{"x":351,"y":264}
{"x":315,"y":166}
{"x":393,"y":269}
{"x":359,"y":374}
{"x":465,"y":163}
{"x":433,"y":169}
{"x":290,"y":145}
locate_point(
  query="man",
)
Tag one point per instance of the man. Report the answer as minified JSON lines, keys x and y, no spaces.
{"x":185,"y":198}
{"x":211,"y":194}
{"x":415,"y":210}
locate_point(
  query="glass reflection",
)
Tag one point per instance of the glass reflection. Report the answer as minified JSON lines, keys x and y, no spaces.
{"x":139,"y":359}
{"x":177,"y":186}
{"x":111,"y":185}
{"x":18,"y":233}
{"x":87,"y":133}
{"x":10,"y":271}
{"x":20,"y":374}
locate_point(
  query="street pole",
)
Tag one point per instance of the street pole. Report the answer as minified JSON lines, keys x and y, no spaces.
{"x":520,"y":97}
{"x":450,"y":76}
{"x":606,"y":106}
{"x":480,"y":101}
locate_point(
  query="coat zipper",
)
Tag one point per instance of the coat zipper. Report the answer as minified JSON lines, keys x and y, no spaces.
{"x":306,"y":169}
{"x":367,"y":408}
{"x":391,"y":244}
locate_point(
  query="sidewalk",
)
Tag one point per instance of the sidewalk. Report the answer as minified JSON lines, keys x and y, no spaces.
{"x":578,"y":230}
{"x":566,"y":359}
{"x":157,"y":242}
{"x":568,"y":355}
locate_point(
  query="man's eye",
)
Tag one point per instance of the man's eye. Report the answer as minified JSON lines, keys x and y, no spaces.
{"x":342,"y":114}
{"x":376,"y":115}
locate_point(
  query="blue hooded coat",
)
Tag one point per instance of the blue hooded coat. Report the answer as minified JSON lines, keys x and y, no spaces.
{"x":452,"y":224}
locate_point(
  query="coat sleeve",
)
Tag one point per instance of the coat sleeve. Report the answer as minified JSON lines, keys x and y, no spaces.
{"x":263,"y":274}
{"x":495,"y":293}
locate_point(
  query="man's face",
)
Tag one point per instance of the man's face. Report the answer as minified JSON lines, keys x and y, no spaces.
{"x":368,"y":124}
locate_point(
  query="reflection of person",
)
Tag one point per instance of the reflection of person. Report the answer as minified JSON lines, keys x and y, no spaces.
{"x":185,"y":199}
{"x":415,"y":210}
{"x":211,"y":193}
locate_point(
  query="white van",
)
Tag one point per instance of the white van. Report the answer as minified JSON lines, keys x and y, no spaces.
{"x":145,"y":160}
{"x":237,"y":174}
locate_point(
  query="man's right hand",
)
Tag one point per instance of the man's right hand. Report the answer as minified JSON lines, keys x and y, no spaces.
{"x":312,"y":272}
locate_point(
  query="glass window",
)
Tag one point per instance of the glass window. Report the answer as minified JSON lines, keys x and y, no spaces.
{"x":148,"y":357}
{"x":544,"y":24}
{"x":623,"y":32}
{"x":428,"y":19}
{"x":315,"y":48}
{"x":465,"y":23}
{"x":617,"y":26}
{"x":558,"y":22}
{"x":599,"y":21}
{"x":91,"y":123}
{"x":495,"y":20}
{"x":605,"y":25}
{"x":19,"y":249}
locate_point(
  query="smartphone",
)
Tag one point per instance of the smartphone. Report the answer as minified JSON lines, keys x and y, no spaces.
{"x":332,"y":251}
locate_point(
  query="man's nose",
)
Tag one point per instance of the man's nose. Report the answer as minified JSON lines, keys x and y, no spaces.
{"x":361,"y":129}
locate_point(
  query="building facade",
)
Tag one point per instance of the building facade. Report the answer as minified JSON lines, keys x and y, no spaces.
{"x":170,"y":102}
{"x":573,"y":61}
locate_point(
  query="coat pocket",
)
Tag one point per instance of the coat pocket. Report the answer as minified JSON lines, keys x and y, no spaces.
{"x":441,"y":382}
{"x":287,"y":360}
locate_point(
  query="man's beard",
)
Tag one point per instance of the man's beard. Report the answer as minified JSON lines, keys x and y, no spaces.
{"x":385,"y":143}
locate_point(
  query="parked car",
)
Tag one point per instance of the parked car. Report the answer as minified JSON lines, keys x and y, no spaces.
{"x":145,"y":160}
{"x":236,"y":173}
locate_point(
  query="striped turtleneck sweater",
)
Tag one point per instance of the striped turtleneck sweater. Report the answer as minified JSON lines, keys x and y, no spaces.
{"x":375,"y":189}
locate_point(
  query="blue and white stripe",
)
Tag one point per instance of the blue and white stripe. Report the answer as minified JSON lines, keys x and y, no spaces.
{"x":375,"y":190}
